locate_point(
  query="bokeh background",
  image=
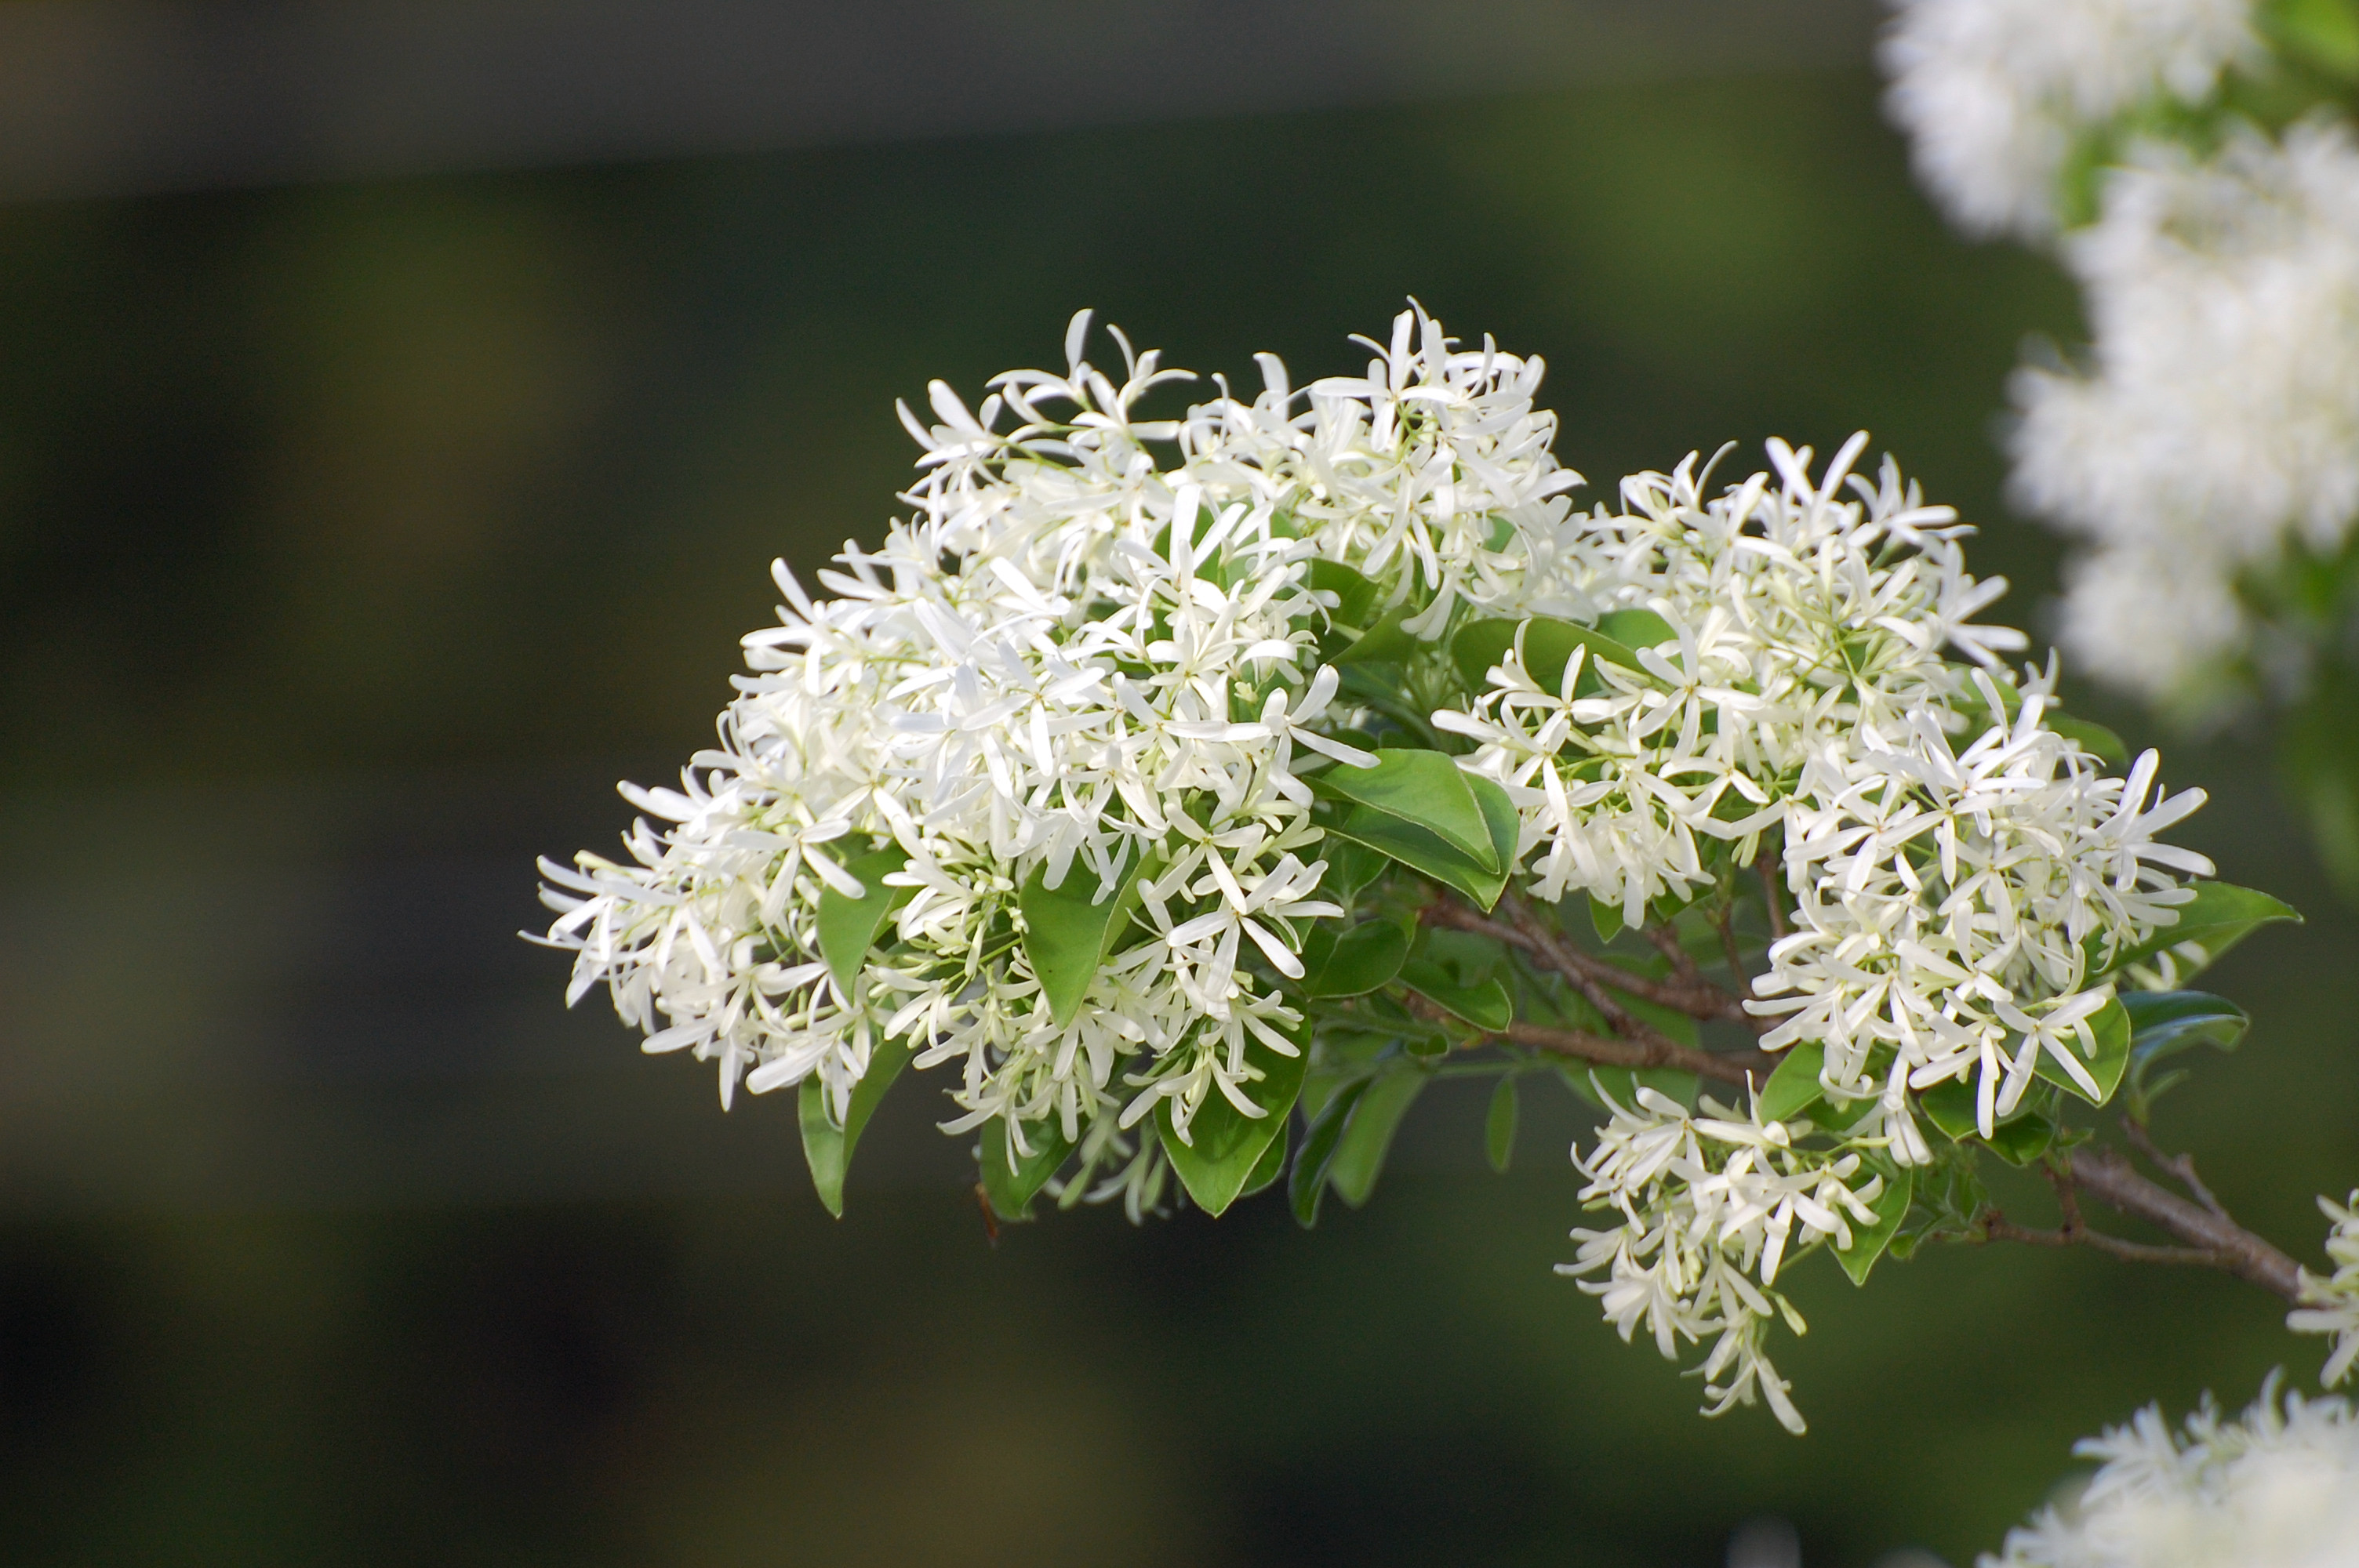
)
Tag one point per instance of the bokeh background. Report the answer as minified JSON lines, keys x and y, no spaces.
{"x":367,"y":507}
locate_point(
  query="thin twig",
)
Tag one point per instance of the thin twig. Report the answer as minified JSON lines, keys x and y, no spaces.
{"x":1591,"y":975}
{"x":1768,"y":867}
{"x":1740,"y":1069}
{"x":1667,"y":942}
{"x":2108,"y":1175}
{"x":1735,"y":954}
{"x":1996,"y":1226}
{"x":2181,"y":1167}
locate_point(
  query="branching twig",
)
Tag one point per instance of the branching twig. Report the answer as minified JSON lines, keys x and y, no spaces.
{"x":1592,"y":976}
{"x":1736,"y":1067}
{"x":1996,"y":1226}
{"x":2105,"y":1173}
{"x":1735,"y":955}
{"x":2181,"y":1167}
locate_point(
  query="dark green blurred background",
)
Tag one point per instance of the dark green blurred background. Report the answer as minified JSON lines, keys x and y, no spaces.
{"x":353,"y":538}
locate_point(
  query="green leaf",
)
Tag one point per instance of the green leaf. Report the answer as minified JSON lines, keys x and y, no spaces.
{"x":2165,"y":1023}
{"x":1387,"y":640}
{"x":827,"y":1147}
{"x":848,"y":926}
{"x":1548,"y":646}
{"x":1225,"y":1146}
{"x":1793,"y":1087}
{"x":1354,"y":961}
{"x":1891,"y":1207}
{"x":1368,"y":1132}
{"x":1636,"y":629}
{"x":1422,"y":852}
{"x":1621,"y":1084}
{"x":1949,"y":1105}
{"x":1606,"y":918}
{"x":1499,"y":1124}
{"x":2325,"y":32}
{"x":1426,"y":788}
{"x":1350,"y":868}
{"x":1068,"y":930}
{"x":2023,"y":1140}
{"x":1308,"y":1184}
{"x":2109,"y":1029}
{"x":1355,"y":593}
{"x":1009,"y":1180}
{"x":1269,"y":1168}
{"x":2220,"y":916}
{"x":1486,"y":1006}
{"x":2094,"y":739}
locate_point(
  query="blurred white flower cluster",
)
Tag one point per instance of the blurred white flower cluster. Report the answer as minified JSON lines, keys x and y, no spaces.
{"x":2215,"y":426}
{"x":1995,"y":94}
{"x":2278,"y":1488}
{"x":1086,"y":662}
{"x":1708,"y":1203}
{"x":2332,"y":1301}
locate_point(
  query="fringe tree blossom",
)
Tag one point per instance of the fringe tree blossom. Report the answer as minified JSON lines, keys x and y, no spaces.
{"x":1141,"y":769}
{"x":1713,"y":1207}
{"x":2218,"y":421}
{"x":1995,"y":94}
{"x":2333,"y":1301}
{"x":1089,"y":650}
{"x":2278,"y":1488}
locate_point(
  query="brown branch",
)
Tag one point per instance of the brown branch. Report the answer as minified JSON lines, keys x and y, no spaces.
{"x":2109,"y":1177}
{"x":1591,"y":976}
{"x":1735,"y":955}
{"x":1996,"y":1226}
{"x":1667,"y":942}
{"x":2181,"y":1167}
{"x":1741,"y":1068}
{"x":1768,"y":867}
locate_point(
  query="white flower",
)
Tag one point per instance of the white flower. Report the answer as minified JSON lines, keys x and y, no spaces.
{"x":1712,"y":1208}
{"x":1994,"y":93}
{"x":2278,"y":1489}
{"x":2331,"y":1304}
{"x":2217,"y":423}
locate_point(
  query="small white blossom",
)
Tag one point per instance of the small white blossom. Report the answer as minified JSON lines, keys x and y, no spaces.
{"x":1994,"y":93}
{"x":2278,"y":1488}
{"x":2331,"y":1304}
{"x":1712,"y":1208}
{"x":2218,"y":422}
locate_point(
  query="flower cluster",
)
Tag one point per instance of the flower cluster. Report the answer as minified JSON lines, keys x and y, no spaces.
{"x":1995,"y":94}
{"x":1713,"y":1207}
{"x":2280,"y":1486}
{"x":2218,"y":421}
{"x":2331,"y":1303}
{"x":1948,"y":898}
{"x":1089,"y":655}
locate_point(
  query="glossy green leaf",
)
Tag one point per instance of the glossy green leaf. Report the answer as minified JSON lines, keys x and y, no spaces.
{"x":1009,"y":1179}
{"x":1367,"y":1137}
{"x":1606,"y":918}
{"x":1487,"y":1006}
{"x":1636,"y":629}
{"x":1355,"y":593}
{"x":2094,"y":739}
{"x":1422,"y":852}
{"x":1426,"y":788}
{"x":1270,"y":1167}
{"x":848,"y":926}
{"x":1548,"y":646}
{"x":1949,"y":1105}
{"x":827,"y":1148}
{"x":2023,"y":1140}
{"x":1387,"y":640}
{"x":1225,"y":1146}
{"x":1793,"y":1087}
{"x":1868,"y":1243}
{"x":1350,"y":868}
{"x":1068,"y":930}
{"x":1307,"y":1183}
{"x":2164,"y":1023}
{"x":2220,"y":916}
{"x":1352,"y":961}
{"x":1499,"y":1124}
{"x":2109,"y":1029}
